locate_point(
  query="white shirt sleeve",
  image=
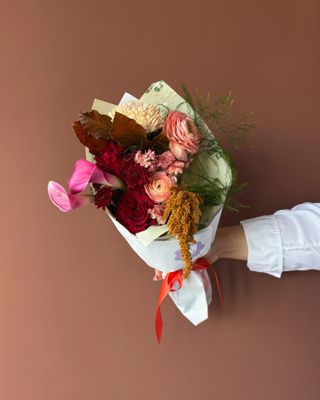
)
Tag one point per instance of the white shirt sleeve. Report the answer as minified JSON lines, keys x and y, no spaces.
{"x":288,"y":240}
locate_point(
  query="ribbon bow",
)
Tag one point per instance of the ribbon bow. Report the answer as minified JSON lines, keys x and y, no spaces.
{"x":173,"y":281}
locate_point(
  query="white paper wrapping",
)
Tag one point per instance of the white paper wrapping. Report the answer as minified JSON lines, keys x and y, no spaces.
{"x":193,"y":298}
{"x":164,"y":254}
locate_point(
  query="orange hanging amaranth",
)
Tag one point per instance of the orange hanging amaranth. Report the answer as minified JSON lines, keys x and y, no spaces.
{"x":183,"y":214}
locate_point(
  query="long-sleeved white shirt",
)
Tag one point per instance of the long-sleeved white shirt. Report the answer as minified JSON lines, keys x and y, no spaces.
{"x":288,"y":240}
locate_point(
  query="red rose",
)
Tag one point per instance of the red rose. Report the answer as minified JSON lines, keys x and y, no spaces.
{"x":133,"y":210}
{"x":109,"y":159}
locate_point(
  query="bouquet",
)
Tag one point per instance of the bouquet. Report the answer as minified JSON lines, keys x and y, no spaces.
{"x":155,"y":168}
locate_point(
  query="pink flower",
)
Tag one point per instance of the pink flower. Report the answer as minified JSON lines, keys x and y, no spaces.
{"x":165,"y":159}
{"x":157,"y":213}
{"x":84,"y":172}
{"x":146,"y":159}
{"x":176,"y":168}
{"x":182,"y":133}
{"x":64,"y":201}
{"x":159,"y":188}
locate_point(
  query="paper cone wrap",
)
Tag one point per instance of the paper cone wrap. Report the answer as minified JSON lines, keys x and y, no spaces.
{"x":163,"y":253}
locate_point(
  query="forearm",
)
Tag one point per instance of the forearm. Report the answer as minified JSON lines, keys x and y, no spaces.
{"x":231,"y":243}
{"x":287,"y":240}
{"x":284,"y":241}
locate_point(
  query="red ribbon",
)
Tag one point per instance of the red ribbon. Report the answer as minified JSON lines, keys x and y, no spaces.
{"x":168,"y":284}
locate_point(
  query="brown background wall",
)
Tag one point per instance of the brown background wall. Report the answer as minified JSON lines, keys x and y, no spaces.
{"x":76,"y":305}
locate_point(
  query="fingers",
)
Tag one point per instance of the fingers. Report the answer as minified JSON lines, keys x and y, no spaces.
{"x":157,"y":275}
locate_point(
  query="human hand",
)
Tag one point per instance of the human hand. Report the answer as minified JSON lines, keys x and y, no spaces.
{"x":230,"y":242}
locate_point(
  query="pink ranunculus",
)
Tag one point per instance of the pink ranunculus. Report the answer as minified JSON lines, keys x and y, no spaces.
{"x":182,"y":133}
{"x":159,"y":187}
{"x":65,"y":201}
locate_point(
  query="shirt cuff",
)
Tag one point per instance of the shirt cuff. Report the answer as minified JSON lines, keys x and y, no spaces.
{"x":264,"y":245}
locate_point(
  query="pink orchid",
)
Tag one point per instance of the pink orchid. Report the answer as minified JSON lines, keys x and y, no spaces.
{"x":84,"y":172}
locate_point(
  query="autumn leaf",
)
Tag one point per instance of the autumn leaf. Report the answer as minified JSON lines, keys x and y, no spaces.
{"x":94,"y":145}
{"x":127,"y":132}
{"x":161,"y":141}
{"x":156,"y":141}
{"x":97,"y":125}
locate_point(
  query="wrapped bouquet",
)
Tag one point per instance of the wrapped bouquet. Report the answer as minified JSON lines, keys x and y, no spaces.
{"x":153,"y":165}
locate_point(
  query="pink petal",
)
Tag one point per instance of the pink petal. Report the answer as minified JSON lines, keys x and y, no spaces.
{"x":113,"y":181}
{"x":80,"y":200}
{"x":99,"y":176}
{"x":81,"y":176}
{"x":59,"y":196}
{"x":179,"y":152}
{"x":86,"y":172}
{"x":64,"y":201}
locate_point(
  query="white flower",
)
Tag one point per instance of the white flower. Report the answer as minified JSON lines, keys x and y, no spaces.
{"x":150,"y":116}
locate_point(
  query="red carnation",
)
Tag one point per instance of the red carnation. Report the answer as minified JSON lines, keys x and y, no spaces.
{"x":133,"y":210}
{"x":109,"y":159}
{"x":103,"y":197}
{"x":132,"y":173}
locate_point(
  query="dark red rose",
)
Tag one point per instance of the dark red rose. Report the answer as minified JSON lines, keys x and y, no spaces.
{"x":103,"y":197}
{"x":133,"y":210}
{"x":109,"y":159}
{"x":132,"y":173}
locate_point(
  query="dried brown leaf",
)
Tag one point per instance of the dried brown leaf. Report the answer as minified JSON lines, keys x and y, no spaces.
{"x":97,"y":125}
{"x":94,"y":145}
{"x":161,"y":141}
{"x":127,"y":132}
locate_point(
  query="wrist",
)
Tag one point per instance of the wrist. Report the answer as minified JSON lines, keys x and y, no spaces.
{"x":231,"y":243}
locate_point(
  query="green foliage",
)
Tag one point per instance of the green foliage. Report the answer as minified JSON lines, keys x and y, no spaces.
{"x":217,"y":113}
{"x":212,"y":192}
